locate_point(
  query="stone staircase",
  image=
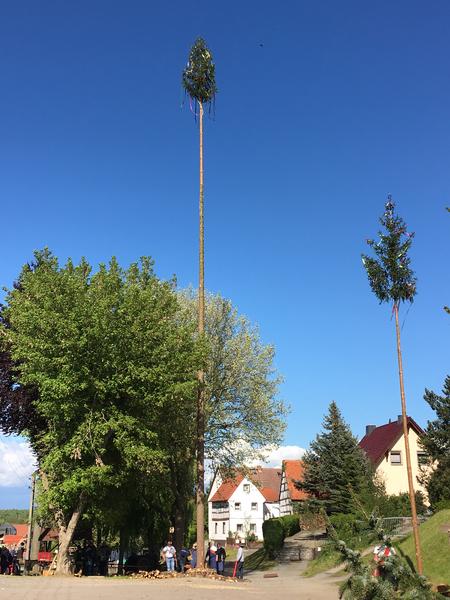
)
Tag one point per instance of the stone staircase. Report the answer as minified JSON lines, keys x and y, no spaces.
{"x":302,"y":546}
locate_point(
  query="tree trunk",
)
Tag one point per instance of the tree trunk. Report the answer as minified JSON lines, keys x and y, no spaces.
{"x":412,"y":496}
{"x":200,"y":496}
{"x":63,"y":563}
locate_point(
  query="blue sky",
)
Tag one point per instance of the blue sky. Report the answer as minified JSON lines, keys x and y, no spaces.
{"x":323,"y":109}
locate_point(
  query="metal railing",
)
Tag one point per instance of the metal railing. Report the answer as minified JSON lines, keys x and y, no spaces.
{"x":399,"y":526}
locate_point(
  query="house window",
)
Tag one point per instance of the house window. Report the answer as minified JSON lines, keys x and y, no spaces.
{"x":396,"y":457}
{"x":253,"y":527}
{"x":215,"y":527}
{"x":239,"y":527}
{"x":422,"y":458}
{"x":247,"y":488}
{"x":254,"y":506}
{"x":223,"y":527}
{"x":237,"y":506}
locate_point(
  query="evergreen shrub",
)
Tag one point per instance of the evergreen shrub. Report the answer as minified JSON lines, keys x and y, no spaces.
{"x":275,"y":530}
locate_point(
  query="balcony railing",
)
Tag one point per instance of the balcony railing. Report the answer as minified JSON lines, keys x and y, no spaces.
{"x":221,"y":513}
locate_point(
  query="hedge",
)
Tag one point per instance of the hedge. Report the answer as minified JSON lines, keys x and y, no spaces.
{"x":275,"y":530}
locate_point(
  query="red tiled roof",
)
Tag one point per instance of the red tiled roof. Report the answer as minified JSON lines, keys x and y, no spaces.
{"x":22,"y":532}
{"x":266,"y":479}
{"x":227,"y":489}
{"x":383,"y":438}
{"x":294,"y":472}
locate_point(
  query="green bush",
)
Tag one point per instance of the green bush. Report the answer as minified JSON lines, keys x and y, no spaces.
{"x":442,"y":505}
{"x":275,"y":530}
{"x":290,"y":524}
{"x":345,"y":525}
{"x":273,"y":536}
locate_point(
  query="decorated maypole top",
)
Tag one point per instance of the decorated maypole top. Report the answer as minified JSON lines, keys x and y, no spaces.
{"x":199,"y":80}
{"x":390,"y":275}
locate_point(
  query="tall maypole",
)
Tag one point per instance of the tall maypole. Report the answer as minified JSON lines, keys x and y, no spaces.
{"x":392,"y":280}
{"x":200,"y":85}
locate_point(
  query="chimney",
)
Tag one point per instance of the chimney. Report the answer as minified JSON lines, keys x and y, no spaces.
{"x":370,"y":428}
{"x":399,"y":418}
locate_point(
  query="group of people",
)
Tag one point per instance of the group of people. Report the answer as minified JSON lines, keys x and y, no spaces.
{"x":214,"y":558}
{"x":11,"y":559}
{"x":90,"y":560}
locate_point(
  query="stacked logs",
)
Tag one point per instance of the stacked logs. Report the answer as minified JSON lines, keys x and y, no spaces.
{"x":205,"y":573}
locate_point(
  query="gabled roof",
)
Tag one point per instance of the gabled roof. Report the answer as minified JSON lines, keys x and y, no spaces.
{"x":383,"y":438}
{"x":227,"y":489}
{"x":21,"y":533}
{"x":293,"y":469}
{"x":266,"y":479}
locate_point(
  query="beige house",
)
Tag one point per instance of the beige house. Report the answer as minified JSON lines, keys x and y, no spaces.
{"x":385,"y":447}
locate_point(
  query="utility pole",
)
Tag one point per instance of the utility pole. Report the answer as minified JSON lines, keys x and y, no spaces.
{"x":30,"y":522}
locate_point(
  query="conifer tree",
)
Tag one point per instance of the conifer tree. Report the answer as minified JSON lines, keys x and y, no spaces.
{"x":436,"y":442}
{"x":392,"y":280}
{"x":199,"y":82}
{"x":335,"y":467}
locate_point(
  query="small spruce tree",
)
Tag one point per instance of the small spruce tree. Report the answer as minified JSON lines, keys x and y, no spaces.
{"x":335,"y":467}
{"x":395,"y":578}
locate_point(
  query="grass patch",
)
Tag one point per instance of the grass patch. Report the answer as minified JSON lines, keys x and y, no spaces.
{"x":435,"y":543}
{"x":327,"y":559}
{"x":258,"y":561}
{"x":231,"y":553}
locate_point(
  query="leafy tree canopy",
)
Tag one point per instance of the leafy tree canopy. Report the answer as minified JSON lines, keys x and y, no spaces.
{"x":243,"y":412}
{"x":113,"y":370}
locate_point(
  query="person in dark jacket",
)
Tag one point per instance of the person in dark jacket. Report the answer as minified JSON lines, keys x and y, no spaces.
{"x":220,"y":558}
{"x":5,"y":560}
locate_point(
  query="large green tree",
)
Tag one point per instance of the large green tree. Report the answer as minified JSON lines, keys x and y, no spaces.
{"x":114,"y":372}
{"x":335,"y":468}
{"x":243,"y":413}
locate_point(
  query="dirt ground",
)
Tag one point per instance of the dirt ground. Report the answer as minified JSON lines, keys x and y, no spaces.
{"x":288,"y":584}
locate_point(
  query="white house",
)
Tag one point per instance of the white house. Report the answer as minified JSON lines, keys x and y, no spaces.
{"x":240,"y":505}
{"x":385,"y":447}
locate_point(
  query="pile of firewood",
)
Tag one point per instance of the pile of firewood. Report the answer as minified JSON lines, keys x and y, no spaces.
{"x":205,"y":573}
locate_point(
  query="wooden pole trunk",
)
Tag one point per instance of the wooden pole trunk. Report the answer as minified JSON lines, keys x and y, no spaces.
{"x":412,"y":496}
{"x":31,"y":518}
{"x":200,"y":496}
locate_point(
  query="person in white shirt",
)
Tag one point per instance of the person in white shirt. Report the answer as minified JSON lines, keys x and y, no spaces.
{"x":168,"y":554}
{"x":240,"y":562}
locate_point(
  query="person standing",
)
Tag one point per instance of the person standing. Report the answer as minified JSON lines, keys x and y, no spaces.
{"x":240,"y":562}
{"x":194,"y":556}
{"x":169,"y":554}
{"x":184,"y":553}
{"x":210,"y":557}
{"x":103,"y":559}
{"x":20,"y":556}
{"x":220,"y":558}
